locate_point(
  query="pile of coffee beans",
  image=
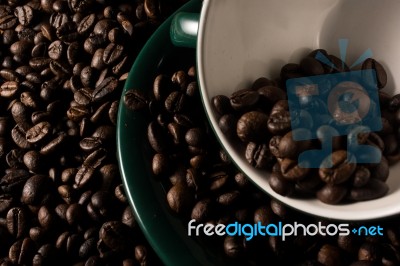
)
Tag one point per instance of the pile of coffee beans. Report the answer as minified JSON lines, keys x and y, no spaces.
{"x":259,"y":118}
{"x":63,"y":66}
{"x":203,"y":184}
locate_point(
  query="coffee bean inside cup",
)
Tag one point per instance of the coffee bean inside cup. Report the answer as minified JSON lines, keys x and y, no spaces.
{"x":281,"y":119}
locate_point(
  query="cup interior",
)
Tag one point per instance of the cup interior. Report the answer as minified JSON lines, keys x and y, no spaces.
{"x":257,"y":39}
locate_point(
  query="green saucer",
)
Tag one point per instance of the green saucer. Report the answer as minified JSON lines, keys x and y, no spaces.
{"x":166,"y":233}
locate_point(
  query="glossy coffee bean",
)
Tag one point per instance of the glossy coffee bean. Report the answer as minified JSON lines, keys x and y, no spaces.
{"x":252,"y":126}
{"x":243,"y":99}
{"x":17,"y":222}
{"x":341,"y":170}
{"x":381,"y":76}
{"x":258,"y":155}
{"x":292,"y":171}
{"x":135,"y":100}
{"x":372,"y":190}
{"x":332,"y":194}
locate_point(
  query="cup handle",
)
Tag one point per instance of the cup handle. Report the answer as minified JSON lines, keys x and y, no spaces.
{"x":184,"y":27}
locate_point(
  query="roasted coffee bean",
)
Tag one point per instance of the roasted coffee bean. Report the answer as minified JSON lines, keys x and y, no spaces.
{"x":338,"y":65}
{"x":97,"y":60}
{"x":73,"y":52}
{"x":234,"y":246}
{"x":391,"y":144}
{"x":372,"y":190}
{"x":47,"y":218}
{"x":311,"y":66}
{"x":38,"y":132}
{"x":9,"y":75}
{"x":290,"y":71}
{"x":243,"y":99}
{"x":280,"y":185}
{"x":288,"y":147}
{"x":221,"y":104}
{"x":161,"y":87}
{"x":258,"y":155}
{"x":219,"y":180}
{"x":54,"y":144}
{"x":84,"y":176}
{"x":61,"y":210}
{"x":332,"y":194}
{"x":375,"y":140}
{"x":183,"y":120}
{"x":22,"y":251}
{"x":381,"y":76}
{"x":381,"y":171}
{"x":280,"y":209}
{"x":90,"y":144}
{"x":115,"y":235}
{"x":39,"y":63}
{"x":135,"y":100}
{"x":104,"y":89}
{"x":18,"y":136}
{"x":274,"y":146}
{"x":6,"y":201}
{"x":369,"y":252}
{"x":92,"y":43}
{"x":88,"y":76}
{"x":46,"y":33}
{"x":59,"y":69}
{"x":229,"y":198}
{"x":271,"y":94}
{"x":67,"y":193}
{"x":176,"y":102}
{"x":7,"y":21}
{"x":279,"y":122}
{"x":83,"y":97}
{"x":77,"y":113}
{"x":17,"y":222}
{"x":75,"y":214}
{"x":157,"y":137}
{"x":343,"y":166}
{"x":194,"y":137}
{"x":112,"y":53}
{"x":330,"y":255}
{"x":14,"y":158}
{"x":8,"y":89}
{"x":67,"y":32}
{"x":56,"y":50}
{"x":327,"y":134}
{"x":116,"y":36}
{"x":179,"y":198}
{"x":227,"y":123}
{"x":161,"y":164}
{"x":88,"y":248}
{"x":252,"y":126}
{"x":119,"y":193}
{"x":292,"y":171}
{"x":40,"y":48}
{"x":361,"y":176}
{"x":33,"y":160}
{"x":177,"y":133}
{"x":35,"y":189}
{"x":180,"y":78}
{"x":86,"y":24}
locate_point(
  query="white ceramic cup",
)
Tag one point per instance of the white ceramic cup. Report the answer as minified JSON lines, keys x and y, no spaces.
{"x":241,"y":40}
